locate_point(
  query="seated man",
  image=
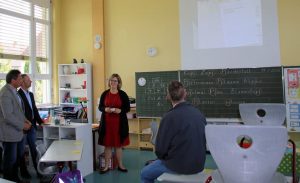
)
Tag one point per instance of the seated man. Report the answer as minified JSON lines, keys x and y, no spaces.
{"x":180,"y":145}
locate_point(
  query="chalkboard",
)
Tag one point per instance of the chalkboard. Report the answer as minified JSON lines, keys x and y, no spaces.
{"x":218,"y":92}
{"x":151,"y":91}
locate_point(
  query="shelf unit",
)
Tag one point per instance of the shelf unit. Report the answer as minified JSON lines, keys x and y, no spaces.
{"x":74,"y":131}
{"x":75,"y":85}
{"x":140,"y":131}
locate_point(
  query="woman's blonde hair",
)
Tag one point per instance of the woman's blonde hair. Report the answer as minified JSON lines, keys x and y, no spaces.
{"x":118,"y":78}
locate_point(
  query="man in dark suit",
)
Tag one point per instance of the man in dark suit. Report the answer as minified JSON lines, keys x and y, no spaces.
{"x":32,"y":114}
{"x":12,"y":123}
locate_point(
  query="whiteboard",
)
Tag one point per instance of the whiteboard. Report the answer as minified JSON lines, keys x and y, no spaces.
{"x":228,"y":34}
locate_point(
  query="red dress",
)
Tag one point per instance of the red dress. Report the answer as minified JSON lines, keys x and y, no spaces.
{"x":112,"y":122}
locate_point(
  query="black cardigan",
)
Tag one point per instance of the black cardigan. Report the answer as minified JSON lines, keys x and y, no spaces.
{"x":124,"y":129}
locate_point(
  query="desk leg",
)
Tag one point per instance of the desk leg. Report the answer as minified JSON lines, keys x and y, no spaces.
{"x":70,"y":165}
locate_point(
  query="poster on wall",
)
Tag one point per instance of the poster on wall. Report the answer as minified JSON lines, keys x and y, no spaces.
{"x":292,"y":98}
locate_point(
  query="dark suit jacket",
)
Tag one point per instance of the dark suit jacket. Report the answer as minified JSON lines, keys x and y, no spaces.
{"x":28,"y":111}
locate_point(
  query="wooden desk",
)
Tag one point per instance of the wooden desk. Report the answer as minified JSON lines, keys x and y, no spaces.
{"x":63,"y":150}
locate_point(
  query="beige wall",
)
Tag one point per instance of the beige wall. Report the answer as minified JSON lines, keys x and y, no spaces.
{"x":75,"y":22}
{"x":72,"y":33}
{"x":289,"y":28}
{"x":132,"y":26}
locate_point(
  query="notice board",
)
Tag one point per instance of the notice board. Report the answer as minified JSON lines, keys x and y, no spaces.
{"x":292,"y":97}
{"x":215,"y":92}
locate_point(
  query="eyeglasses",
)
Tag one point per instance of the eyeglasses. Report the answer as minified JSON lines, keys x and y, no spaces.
{"x":112,"y":80}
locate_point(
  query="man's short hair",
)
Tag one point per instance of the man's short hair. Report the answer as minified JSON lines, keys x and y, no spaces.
{"x":176,"y":91}
{"x":12,"y":74}
{"x":24,"y":75}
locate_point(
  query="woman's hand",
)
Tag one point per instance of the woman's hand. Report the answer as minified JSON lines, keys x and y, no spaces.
{"x":108,"y":110}
{"x":117,"y":111}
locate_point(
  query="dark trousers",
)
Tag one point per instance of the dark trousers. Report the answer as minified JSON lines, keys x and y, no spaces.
{"x":30,"y":137}
{"x":1,"y":152}
{"x":12,"y":152}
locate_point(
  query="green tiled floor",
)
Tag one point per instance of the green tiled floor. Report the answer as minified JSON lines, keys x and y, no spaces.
{"x":134,"y":160}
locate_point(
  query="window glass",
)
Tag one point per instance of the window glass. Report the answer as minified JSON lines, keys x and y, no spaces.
{"x":42,"y":51}
{"x":41,"y":12}
{"x":42,"y":93}
{"x":24,"y":43}
{"x":18,"y":6}
{"x":2,"y":82}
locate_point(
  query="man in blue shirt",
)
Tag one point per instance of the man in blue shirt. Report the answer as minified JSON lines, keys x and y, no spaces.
{"x":180,"y":145}
{"x":32,"y":114}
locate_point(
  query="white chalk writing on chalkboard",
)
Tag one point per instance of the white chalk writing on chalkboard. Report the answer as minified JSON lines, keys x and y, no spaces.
{"x":216,"y":92}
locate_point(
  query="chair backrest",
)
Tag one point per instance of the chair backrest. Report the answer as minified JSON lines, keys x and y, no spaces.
{"x":258,"y":162}
{"x":41,"y":149}
{"x":262,"y":113}
{"x":38,"y":142}
{"x":154,"y":130}
{"x":44,"y":168}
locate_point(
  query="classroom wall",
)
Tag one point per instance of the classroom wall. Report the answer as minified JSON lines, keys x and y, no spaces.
{"x":72,"y":38}
{"x":289,"y":28}
{"x":132,"y":26}
{"x":73,"y":35}
{"x":56,"y":46}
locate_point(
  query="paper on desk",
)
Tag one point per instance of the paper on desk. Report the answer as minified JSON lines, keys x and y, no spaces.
{"x":75,"y":152}
{"x":77,"y":143}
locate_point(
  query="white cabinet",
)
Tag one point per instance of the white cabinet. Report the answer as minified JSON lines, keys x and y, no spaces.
{"x":75,"y":86}
{"x":74,"y":131}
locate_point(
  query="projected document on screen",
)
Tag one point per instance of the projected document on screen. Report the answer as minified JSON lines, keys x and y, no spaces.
{"x":228,"y":23}
{"x":228,"y":34}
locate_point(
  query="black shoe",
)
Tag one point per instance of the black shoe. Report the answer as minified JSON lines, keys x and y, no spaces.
{"x":25,"y":174}
{"x":103,"y":171}
{"x":122,"y":170}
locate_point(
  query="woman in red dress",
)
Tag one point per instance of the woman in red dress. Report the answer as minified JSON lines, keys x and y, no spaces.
{"x":113,"y":131}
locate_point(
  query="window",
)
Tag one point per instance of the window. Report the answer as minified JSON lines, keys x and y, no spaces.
{"x":25,"y":43}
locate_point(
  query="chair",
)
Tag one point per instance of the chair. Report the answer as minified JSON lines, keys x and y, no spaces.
{"x":254,"y":163}
{"x":38,"y":142}
{"x":179,"y":178}
{"x":154,"y":130}
{"x":42,"y":167}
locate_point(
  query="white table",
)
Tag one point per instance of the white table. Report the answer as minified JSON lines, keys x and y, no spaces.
{"x":5,"y":181}
{"x":63,"y":151}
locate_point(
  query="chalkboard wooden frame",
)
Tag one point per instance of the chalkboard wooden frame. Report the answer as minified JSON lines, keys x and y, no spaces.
{"x":215,"y":92}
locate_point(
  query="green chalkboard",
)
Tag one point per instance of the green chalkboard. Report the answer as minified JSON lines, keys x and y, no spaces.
{"x":218,"y":92}
{"x":151,"y":91}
